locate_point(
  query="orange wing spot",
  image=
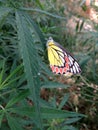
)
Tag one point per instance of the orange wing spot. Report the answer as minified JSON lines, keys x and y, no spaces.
{"x":64,"y":70}
{"x":66,"y":64}
{"x":61,"y":70}
{"x":53,"y":68}
{"x":56,"y":70}
{"x":66,"y":59}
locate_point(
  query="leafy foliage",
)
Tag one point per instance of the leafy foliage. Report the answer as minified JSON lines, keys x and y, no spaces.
{"x":24,"y":71}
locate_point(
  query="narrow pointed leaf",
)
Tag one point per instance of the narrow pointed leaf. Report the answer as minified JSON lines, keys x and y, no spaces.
{"x":13,"y":123}
{"x":1,"y":117}
{"x":64,"y":100}
{"x":17,"y":98}
{"x":52,"y":84}
{"x":48,"y":113}
{"x":3,"y":14}
{"x":30,"y":61}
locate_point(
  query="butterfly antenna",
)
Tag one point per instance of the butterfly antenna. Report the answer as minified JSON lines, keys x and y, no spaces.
{"x":50,"y":38}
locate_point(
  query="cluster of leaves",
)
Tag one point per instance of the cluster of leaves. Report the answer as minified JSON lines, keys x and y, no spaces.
{"x":23,"y":71}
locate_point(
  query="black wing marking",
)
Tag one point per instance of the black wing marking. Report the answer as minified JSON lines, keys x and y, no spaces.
{"x":74,"y":66}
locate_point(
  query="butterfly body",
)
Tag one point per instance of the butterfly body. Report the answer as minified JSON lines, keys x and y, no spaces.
{"x":61,"y":62}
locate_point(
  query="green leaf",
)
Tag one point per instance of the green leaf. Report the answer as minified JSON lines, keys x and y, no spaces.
{"x":45,"y":103}
{"x":44,"y":68}
{"x":1,"y":117}
{"x":47,"y":113}
{"x":81,"y":26}
{"x":55,"y":114}
{"x":13,"y":123}
{"x":40,"y":4}
{"x":35,"y":29}
{"x":30,"y":61}
{"x":2,"y":73}
{"x":51,"y":84}
{"x":64,"y":100}
{"x":8,"y":80}
{"x":53,"y":102}
{"x":44,"y":12}
{"x":84,"y":60}
{"x":69,"y":128}
{"x":17,"y":98}
{"x":4,"y":11}
{"x":72,"y":120}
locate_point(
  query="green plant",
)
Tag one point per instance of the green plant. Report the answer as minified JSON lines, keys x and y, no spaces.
{"x":23,"y":73}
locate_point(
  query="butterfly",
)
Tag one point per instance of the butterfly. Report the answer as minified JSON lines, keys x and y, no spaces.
{"x":61,"y":61}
